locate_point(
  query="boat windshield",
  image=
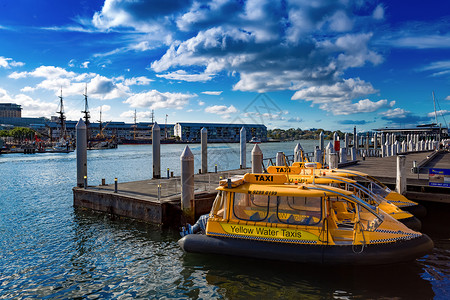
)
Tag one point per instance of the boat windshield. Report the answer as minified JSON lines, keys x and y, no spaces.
{"x":377,"y":189}
{"x":374,"y":187}
{"x":218,"y":210}
{"x":278,"y":209}
{"x":368,"y":219}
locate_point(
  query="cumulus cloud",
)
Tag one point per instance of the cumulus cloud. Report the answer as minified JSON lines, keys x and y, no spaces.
{"x":212,"y":93}
{"x":347,"y":107}
{"x":31,"y":107}
{"x":401,"y":117}
{"x":302,"y":46}
{"x":155,"y":100}
{"x":442,"y":112}
{"x":141,"y":80}
{"x":7,"y":63}
{"x":395,"y":113}
{"x":183,"y":75}
{"x":378,"y":12}
{"x":222,"y":110}
{"x":340,"y":91}
{"x":57,"y":78}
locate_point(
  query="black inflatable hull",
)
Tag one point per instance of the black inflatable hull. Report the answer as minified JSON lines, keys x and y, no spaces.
{"x":399,"y":251}
{"x":412,"y":223}
{"x":417,"y":210}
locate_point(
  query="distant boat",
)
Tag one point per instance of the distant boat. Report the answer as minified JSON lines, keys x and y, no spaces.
{"x":255,"y":140}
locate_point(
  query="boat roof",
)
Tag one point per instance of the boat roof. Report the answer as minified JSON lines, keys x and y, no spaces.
{"x":320,"y":179}
{"x":301,"y":190}
{"x":344,"y":173}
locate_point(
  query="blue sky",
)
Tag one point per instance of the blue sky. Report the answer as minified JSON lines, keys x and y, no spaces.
{"x":305,"y":63}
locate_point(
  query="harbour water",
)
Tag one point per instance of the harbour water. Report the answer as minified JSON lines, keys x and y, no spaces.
{"x":50,"y":250}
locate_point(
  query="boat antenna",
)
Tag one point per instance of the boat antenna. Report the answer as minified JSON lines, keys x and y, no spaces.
{"x":62,"y":118}
{"x":100,"y":124}
{"x":435,"y":113}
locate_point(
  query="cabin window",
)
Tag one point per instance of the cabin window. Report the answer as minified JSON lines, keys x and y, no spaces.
{"x":218,"y":205}
{"x":299,"y":210}
{"x":252,"y":207}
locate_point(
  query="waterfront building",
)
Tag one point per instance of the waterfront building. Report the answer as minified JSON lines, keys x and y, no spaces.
{"x":426,"y":131}
{"x":219,"y":132}
{"x":10,"y":110}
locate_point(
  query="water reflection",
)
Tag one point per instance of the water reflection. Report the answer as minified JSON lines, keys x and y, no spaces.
{"x":240,"y":278}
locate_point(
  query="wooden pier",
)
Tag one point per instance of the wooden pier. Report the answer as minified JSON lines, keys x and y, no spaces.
{"x":140,"y":200}
{"x":384,"y":169}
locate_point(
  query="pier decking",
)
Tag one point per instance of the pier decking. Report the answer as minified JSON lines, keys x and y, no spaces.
{"x":139,"y":199}
{"x":384,"y":169}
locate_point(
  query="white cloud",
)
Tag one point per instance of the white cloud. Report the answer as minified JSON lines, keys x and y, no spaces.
{"x":267,"y":45}
{"x":57,"y":78}
{"x":378,"y":12}
{"x":447,"y":98}
{"x":155,"y":100}
{"x":347,"y":107}
{"x":423,"y":42}
{"x":221,"y":109}
{"x":85,"y":65}
{"x":438,"y":67}
{"x":184,"y":76}
{"x":442,"y":112}
{"x":31,"y":107}
{"x":7,"y":63}
{"x":395,"y":113}
{"x":340,"y":91}
{"x":212,"y":93}
{"x":201,"y":103}
{"x":142,"y":80}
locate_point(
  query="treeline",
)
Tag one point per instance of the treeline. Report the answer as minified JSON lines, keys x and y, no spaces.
{"x":292,"y":134}
{"x":18,"y":133}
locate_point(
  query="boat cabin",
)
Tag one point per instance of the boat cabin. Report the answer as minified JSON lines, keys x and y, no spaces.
{"x":265,"y":207}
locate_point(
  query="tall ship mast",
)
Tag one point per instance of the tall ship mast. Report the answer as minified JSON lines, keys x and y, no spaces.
{"x":134,"y":126}
{"x":86,"y":112}
{"x":62,"y":118}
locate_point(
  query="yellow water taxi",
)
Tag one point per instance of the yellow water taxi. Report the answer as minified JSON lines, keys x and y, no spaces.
{"x":263,"y":216}
{"x":352,"y":185}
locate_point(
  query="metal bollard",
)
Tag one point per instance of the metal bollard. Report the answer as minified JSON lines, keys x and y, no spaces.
{"x":115,"y":185}
{"x":85,"y":181}
{"x":159,"y":192}
{"x":215,"y":168}
{"x":168,"y":170}
{"x":171,"y":174}
{"x":103,"y":181}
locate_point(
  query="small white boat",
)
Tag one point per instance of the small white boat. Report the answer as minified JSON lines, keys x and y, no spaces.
{"x":255,"y":140}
